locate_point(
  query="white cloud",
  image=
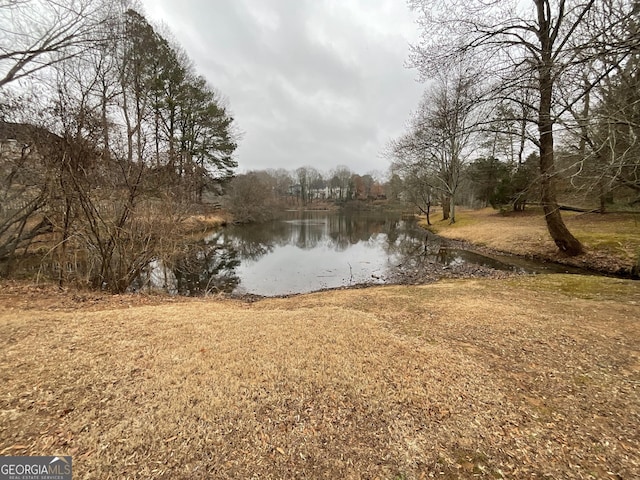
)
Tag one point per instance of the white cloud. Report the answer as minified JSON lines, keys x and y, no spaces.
{"x":310,"y":82}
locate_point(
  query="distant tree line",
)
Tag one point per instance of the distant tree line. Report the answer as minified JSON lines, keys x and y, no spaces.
{"x":533,"y":100}
{"x":109,"y":138}
{"x":259,"y":195}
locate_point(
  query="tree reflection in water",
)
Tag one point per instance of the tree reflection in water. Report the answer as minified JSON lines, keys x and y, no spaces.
{"x":207,"y":267}
{"x":304,"y":252}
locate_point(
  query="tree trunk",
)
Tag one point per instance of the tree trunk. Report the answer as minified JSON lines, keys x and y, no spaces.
{"x":65,"y":238}
{"x":446,"y":207}
{"x":561,"y":235}
{"x":452,"y":210}
{"x":105,"y":122}
{"x":519,"y":205}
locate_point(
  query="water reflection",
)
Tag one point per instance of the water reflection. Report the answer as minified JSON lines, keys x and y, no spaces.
{"x":207,"y":267}
{"x":304,"y":252}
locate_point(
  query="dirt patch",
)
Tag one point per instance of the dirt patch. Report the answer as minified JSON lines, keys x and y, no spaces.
{"x":525,"y":377}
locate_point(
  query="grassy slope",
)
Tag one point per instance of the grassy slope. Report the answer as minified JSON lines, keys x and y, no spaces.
{"x":612,"y":241}
{"x":530,"y":375}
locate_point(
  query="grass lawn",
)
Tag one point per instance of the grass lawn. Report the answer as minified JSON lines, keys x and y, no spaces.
{"x":528,"y":377}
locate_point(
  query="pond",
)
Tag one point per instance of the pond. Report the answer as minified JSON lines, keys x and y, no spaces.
{"x":310,"y":251}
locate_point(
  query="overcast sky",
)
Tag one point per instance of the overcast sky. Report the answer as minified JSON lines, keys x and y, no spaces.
{"x":309,"y":82}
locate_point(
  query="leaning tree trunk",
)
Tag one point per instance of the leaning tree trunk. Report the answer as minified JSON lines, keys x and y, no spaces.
{"x":561,"y":235}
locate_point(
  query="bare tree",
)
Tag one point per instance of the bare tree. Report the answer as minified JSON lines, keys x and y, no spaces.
{"x":316,"y":184}
{"x":340,"y":178}
{"x":508,"y":129}
{"x":603,"y":128}
{"x":515,"y":42}
{"x":302,"y":175}
{"x":415,"y":183}
{"x":37,"y":34}
{"x":95,"y":184}
{"x":282,"y":182}
{"x":249,"y":198}
{"x":438,"y":143}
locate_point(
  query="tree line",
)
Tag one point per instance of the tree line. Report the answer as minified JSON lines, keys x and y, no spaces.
{"x":525,"y":97}
{"x":258,"y":195}
{"x":109,"y":136}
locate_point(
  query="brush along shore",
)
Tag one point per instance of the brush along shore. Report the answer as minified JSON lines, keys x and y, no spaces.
{"x":524,"y":377}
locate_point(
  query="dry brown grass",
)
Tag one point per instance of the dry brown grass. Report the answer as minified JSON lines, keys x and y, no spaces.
{"x":612,"y":241}
{"x":205,"y":222}
{"x":526,"y":377}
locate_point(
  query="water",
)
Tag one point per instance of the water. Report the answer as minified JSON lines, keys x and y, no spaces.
{"x":309,"y":251}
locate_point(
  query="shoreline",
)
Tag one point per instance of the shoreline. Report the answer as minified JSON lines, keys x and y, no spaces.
{"x":536,"y":244}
